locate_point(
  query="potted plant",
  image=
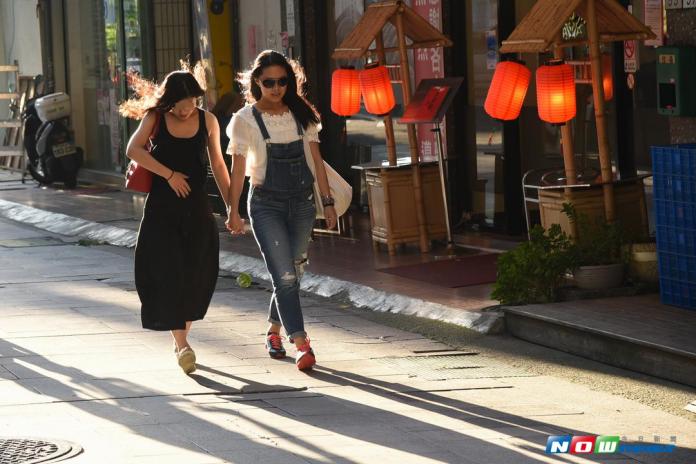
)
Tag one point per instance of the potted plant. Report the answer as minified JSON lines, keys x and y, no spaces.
{"x":596,"y":255}
{"x":533,"y":271}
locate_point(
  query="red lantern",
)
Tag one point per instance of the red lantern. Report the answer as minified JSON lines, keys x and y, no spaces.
{"x":607,"y":80}
{"x":507,"y":91}
{"x":556,"y":92}
{"x":377,"y":90}
{"x":345,"y":92}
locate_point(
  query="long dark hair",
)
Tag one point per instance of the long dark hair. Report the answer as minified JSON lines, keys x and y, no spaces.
{"x":294,"y":93}
{"x":176,"y":86}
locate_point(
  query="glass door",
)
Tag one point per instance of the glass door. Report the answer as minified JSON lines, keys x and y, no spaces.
{"x":488,"y":188}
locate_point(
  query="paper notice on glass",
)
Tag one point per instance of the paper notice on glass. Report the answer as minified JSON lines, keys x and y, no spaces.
{"x":491,"y":49}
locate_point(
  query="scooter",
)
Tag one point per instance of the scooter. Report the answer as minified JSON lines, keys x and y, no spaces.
{"x":50,"y":146}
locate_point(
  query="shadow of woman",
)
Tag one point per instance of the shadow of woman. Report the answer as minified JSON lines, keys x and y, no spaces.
{"x":350,"y":425}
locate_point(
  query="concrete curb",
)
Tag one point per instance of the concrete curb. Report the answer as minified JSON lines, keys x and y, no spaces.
{"x":326,"y":286}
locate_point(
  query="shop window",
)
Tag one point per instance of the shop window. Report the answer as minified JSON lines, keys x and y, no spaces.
{"x":173,"y":40}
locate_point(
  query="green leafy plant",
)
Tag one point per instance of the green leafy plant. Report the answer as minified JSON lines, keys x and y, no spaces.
{"x":597,"y":242}
{"x":534,"y":270}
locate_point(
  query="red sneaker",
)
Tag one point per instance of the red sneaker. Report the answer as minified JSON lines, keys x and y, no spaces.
{"x":274,"y":346}
{"x":305,"y":359}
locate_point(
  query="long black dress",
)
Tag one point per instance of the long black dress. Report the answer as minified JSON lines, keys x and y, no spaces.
{"x":176,"y":257}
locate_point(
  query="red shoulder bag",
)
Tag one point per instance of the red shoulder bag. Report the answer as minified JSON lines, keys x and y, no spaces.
{"x":138,"y":178}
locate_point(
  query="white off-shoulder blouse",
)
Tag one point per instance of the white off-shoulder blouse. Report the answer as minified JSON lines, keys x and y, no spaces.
{"x":246,"y":139}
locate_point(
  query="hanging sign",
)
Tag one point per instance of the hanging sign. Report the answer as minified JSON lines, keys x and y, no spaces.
{"x":653,"y":19}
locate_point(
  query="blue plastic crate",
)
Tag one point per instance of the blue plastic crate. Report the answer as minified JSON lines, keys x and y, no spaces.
{"x":675,"y":213}
{"x":677,"y":160}
{"x":678,"y":293}
{"x":676,"y":240}
{"x":677,"y":267}
{"x":672,"y":187}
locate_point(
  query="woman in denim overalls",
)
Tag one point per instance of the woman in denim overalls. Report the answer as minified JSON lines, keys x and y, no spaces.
{"x":274,"y":141}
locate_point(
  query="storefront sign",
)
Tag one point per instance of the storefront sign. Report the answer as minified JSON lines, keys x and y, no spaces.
{"x":653,"y":19}
{"x":689,"y":3}
{"x":429,"y":63}
{"x":673,"y":4}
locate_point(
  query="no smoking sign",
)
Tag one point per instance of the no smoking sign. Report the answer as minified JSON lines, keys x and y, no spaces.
{"x":630,"y":56}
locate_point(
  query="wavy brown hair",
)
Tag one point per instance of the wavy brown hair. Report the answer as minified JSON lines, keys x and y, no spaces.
{"x":294,"y":94}
{"x":188,"y":82}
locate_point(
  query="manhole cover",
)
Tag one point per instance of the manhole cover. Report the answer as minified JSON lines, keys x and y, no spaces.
{"x":35,"y":450}
{"x":31,"y":242}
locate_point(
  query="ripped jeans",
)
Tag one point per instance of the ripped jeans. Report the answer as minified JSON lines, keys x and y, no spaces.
{"x":282,"y":226}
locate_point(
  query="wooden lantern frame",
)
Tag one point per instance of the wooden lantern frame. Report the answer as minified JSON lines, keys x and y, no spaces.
{"x":607,"y":21}
{"x":421,"y":34}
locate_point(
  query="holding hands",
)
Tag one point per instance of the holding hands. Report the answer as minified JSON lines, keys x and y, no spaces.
{"x":234,"y":223}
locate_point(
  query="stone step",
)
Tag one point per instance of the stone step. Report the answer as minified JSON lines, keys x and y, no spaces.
{"x":636,"y":333}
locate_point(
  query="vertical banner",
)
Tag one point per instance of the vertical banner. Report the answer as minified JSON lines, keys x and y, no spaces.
{"x":654,"y":20}
{"x":429,"y":63}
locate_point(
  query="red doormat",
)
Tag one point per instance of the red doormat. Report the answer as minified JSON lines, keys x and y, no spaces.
{"x":457,"y":272}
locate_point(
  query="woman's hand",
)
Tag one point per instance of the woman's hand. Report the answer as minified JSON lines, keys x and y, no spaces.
{"x":179,"y":184}
{"x":235,"y":223}
{"x":330,"y":217}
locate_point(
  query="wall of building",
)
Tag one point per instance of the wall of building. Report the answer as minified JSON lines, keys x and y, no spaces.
{"x":19,"y":35}
{"x":681,"y":25}
{"x":260,"y":28}
{"x":19,"y":40}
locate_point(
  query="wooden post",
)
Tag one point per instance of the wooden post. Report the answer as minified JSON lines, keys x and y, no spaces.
{"x":567,"y":147}
{"x":388,"y":122}
{"x":600,"y":121}
{"x":412,"y":140}
{"x":566,"y":139}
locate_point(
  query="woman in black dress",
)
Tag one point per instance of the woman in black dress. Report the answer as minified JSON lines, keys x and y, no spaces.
{"x":176,"y":256}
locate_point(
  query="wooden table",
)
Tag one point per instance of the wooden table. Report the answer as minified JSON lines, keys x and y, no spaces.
{"x":392,"y":211}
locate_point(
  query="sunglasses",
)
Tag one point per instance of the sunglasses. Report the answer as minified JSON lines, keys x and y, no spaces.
{"x":270,"y":83}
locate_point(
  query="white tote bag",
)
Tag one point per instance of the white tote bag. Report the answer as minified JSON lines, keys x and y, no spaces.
{"x":341,"y":191}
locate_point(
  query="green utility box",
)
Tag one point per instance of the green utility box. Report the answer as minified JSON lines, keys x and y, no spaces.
{"x":676,"y":78}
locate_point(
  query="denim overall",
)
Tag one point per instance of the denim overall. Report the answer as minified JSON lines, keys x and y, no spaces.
{"x":282,"y":214}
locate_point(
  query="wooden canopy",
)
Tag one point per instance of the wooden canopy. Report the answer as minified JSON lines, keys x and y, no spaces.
{"x":540,"y":29}
{"x":421,"y":33}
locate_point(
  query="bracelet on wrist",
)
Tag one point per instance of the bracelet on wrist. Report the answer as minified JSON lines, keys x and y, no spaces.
{"x":170,"y":175}
{"x":327,"y":200}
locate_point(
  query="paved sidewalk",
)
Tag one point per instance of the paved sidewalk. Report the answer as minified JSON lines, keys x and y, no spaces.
{"x":345,"y":265}
{"x":75,"y":365}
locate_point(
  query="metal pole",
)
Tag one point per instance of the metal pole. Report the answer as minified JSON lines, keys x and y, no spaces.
{"x":441,"y":164}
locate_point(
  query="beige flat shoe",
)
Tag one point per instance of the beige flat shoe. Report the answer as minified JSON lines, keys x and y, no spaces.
{"x":187,"y":360}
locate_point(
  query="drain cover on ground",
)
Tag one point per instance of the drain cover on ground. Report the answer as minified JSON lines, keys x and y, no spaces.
{"x":31,"y":242}
{"x":464,"y":366}
{"x":36,"y":450}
